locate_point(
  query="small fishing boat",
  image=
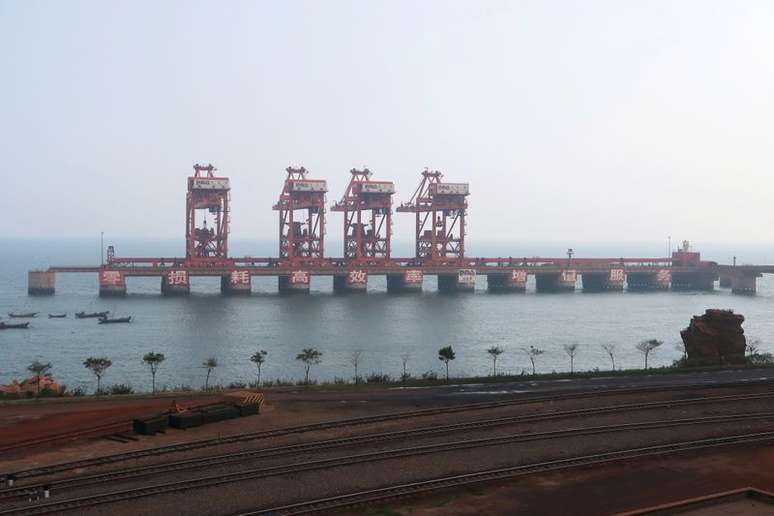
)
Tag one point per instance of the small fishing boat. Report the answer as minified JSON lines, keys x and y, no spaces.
{"x":23,"y":315}
{"x":57,"y":316}
{"x":92,"y":315}
{"x":17,"y":326}
{"x":106,"y":320}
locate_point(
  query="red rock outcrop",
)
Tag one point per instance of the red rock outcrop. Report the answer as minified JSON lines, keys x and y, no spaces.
{"x":715,"y":338}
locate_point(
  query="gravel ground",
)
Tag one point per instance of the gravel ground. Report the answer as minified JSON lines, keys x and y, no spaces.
{"x":609,"y":489}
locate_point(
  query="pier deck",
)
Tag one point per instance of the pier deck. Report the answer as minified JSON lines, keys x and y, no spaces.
{"x":407,"y":274}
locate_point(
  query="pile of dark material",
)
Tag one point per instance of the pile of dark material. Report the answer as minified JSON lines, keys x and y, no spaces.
{"x":150,"y":425}
{"x":715,"y":338}
{"x":192,"y":418}
{"x":187,"y":419}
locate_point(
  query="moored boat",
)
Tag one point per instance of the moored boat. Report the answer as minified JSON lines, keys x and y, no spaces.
{"x":23,"y":315}
{"x":91,"y":315}
{"x":57,"y":316}
{"x":106,"y":320}
{"x":17,"y":326}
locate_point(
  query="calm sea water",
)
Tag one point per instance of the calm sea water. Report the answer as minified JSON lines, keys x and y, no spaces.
{"x":188,"y":330}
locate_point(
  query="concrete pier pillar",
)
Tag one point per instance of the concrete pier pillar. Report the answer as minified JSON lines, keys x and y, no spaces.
{"x":112,"y":283}
{"x":744,"y":283}
{"x":663,"y":279}
{"x":514,"y":280}
{"x":406,"y":281}
{"x":603,"y":281}
{"x":563,"y":281}
{"x":725,"y":279}
{"x":567,"y":280}
{"x":238,"y":282}
{"x":297,"y":282}
{"x":176,"y":283}
{"x":463,"y":281}
{"x":354,"y":281}
{"x":41,"y":283}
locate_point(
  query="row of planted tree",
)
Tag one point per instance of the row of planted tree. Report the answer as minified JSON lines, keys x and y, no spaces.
{"x":308,"y":357}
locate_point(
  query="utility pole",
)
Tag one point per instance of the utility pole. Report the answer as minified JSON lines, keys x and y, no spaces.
{"x":669,"y":246}
{"x":102,"y":248}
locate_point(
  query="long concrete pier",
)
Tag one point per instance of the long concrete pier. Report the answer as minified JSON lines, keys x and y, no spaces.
{"x":405,"y":275}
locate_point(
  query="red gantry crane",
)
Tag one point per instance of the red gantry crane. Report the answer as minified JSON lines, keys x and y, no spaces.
{"x":440,"y":218}
{"x":301,"y":209}
{"x":367,"y":207}
{"x":208,"y":196}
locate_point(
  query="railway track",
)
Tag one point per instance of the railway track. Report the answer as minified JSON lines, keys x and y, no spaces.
{"x":153,"y":469}
{"x":367,"y":457}
{"x":363,"y":420}
{"x":141,"y":471}
{"x":385,"y":494}
{"x":95,"y":431}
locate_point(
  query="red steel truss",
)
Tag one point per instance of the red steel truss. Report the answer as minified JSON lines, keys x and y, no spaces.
{"x":440,"y":209}
{"x":367,"y":207}
{"x":440,"y":218}
{"x":301,"y":235}
{"x":208,"y":194}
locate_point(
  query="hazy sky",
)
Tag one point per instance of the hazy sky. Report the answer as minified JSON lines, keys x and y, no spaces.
{"x":571,"y":120}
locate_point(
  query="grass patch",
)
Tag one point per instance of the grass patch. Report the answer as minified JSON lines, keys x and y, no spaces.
{"x":427,"y":381}
{"x":341,"y":385}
